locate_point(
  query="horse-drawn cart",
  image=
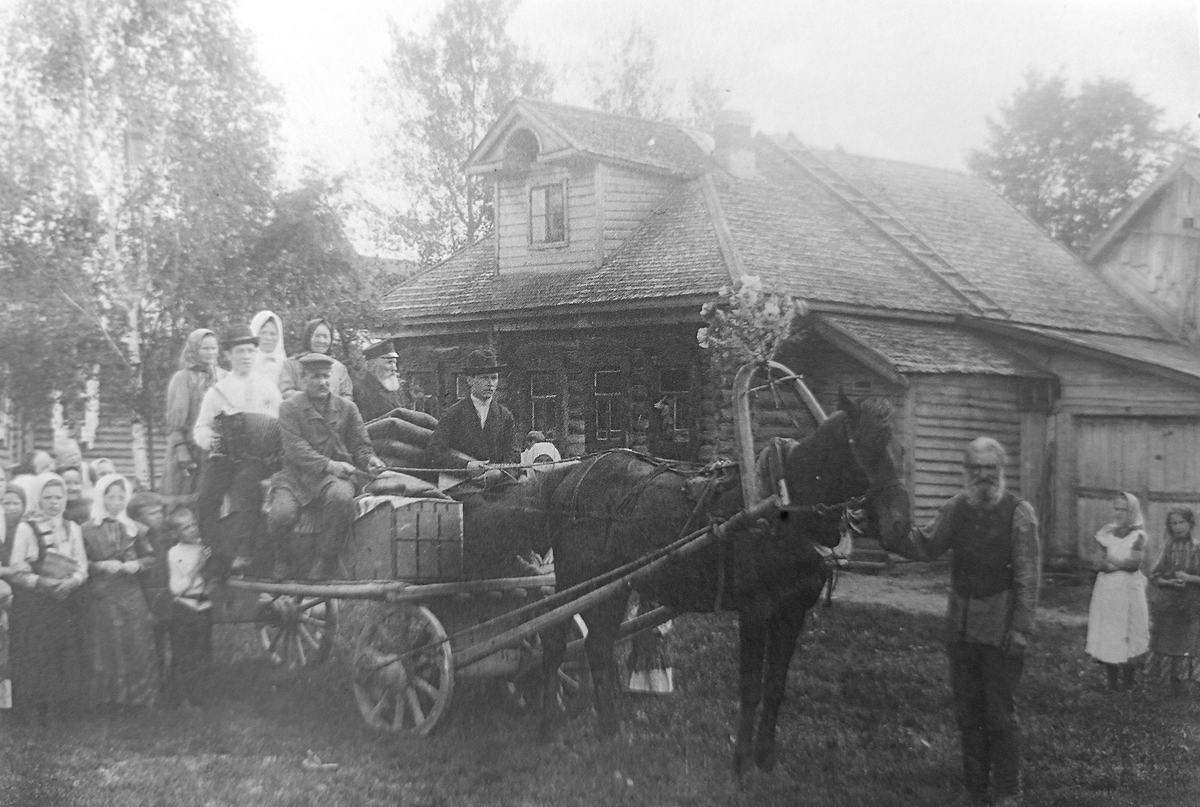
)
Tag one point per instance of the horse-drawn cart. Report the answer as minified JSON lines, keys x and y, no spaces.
{"x":418,"y":626}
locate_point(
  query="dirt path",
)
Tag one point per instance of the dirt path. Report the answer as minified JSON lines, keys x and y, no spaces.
{"x":922,"y":590}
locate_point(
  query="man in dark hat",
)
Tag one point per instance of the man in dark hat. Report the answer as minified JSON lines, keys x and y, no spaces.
{"x":477,"y":425}
{"x":324,"y":443}
{"x":241,"y":391}
{"x":380,"y":390}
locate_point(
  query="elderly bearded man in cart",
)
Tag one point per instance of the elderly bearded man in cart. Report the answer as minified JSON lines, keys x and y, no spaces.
{"x":324,"y":444}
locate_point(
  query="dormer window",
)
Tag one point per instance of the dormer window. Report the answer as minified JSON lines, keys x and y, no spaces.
{"x":548,"y":214}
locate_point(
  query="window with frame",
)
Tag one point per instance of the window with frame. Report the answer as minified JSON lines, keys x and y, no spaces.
{"x":422,"y":388}
{"x":543,"y":402}
{"x":674,"y":405}
{"x":548,"y":214}
{"x":608,"y":396}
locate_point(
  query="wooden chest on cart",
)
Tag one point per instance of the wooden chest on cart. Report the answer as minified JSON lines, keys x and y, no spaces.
{"x":397,"y":538}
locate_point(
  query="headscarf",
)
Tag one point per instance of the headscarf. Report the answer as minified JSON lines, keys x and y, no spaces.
{"x":309,"y":328}
{"x":1187,"y":515}
{"x":538,"y":449}
{"x":99,"y":513}
{"x":189,"y":358}
{"x":20,"y":492}
{"x":1136,"y":520}
{"x":33,"y":494}
{"x":279,"y":355}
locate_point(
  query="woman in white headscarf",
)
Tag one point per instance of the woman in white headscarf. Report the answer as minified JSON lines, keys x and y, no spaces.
{"x":1118,"y":618}
{"x":122,"y":663}
{"x":48,"y":565}
{"x":268,"y":327}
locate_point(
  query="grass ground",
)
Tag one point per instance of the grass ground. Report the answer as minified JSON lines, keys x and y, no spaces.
{"x":867,"y":723}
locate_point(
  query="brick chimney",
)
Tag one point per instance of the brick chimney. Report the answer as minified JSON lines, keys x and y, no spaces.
{"x":734,"y":149}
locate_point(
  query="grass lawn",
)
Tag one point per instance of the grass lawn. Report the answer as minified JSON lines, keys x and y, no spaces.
{"x":867,"y":723}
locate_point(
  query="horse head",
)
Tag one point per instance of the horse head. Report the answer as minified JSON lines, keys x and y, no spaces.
{"x":877,"y":455}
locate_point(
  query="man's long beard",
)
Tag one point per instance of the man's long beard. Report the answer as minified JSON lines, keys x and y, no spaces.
{"x":986,"y":497}
{"x":390,"y":382}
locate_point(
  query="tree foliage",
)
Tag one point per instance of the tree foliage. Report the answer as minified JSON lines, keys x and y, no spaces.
{"x":631,"y":82}
{"x":1072,"y":161}
{"x":444,"y":88}
{"x":136,"y":159}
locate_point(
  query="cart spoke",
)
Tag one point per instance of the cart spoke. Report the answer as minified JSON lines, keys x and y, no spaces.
{"x":415,"y":705}
{"x":273,"y":648}
{"x":309,"y":619}
{"x":307,"y":604}
{"x":568,"y":681}
{"x":300,"y":649}
{"x":398,"y":712}
{"x":307,"y":635}
{"x":377,"y":710}
{"x":426,"y":687}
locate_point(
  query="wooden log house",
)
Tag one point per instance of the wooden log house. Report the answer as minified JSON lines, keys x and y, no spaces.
{"x":924,"y":287}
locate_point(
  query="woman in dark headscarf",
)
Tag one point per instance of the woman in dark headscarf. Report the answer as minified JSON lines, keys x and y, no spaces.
{"x":1175,"y":608}
{"x":197,"y":372}
{"x":318,"y":338}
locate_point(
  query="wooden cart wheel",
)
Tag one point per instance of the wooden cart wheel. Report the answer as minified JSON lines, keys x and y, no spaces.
{"x":398,"y":693}
{"x":297,"y":631}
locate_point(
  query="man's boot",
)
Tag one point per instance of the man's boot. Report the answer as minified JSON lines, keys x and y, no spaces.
{"x":976,"y":765}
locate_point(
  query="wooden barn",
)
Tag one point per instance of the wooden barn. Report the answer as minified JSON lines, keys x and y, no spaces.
{"x":924,"y":287}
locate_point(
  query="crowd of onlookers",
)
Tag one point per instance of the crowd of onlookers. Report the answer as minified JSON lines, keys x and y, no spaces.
{"x":95,"y":582}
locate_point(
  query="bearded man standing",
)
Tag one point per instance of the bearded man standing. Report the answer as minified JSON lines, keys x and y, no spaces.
{"x":995,"y":575}
{"x":380,"y":390}
{"x":324,"y":443}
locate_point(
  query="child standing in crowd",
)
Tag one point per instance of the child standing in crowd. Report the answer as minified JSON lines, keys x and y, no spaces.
{"x":122,"y":660}
{"x":190,"y":625}
{"x":147,"y":509}
{"x":1118,"y":618}
{"x":1175,"y":626}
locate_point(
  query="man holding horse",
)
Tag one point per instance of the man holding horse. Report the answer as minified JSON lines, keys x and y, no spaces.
{"x":478,"y":425}
{"x":995,"y":574}
{"x":324,"y":445}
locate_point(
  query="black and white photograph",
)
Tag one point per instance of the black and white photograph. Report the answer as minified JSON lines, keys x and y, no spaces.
{"x":554,"y":403}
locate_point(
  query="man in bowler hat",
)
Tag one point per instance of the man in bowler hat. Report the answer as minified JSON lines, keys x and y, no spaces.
{"x":478,"y":425}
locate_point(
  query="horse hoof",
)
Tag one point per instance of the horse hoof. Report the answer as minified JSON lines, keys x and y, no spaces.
{"x":765,"y":759}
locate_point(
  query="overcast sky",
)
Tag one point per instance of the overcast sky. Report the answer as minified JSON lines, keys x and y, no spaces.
{"x":906,"y":79}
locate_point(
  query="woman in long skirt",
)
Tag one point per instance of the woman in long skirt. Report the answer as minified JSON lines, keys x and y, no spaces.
{"x":1175,"y":609}
{"x":197,"y":372}
{"x":122,"y":667}
{"x":49,"y":564}
{"x":1118,"y":618}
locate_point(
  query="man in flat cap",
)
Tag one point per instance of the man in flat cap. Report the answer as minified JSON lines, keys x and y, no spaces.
{"x":241,"y":391}
{"x":380,"y":390}
{"x":324,"y":443}
{"x":478,"y":425}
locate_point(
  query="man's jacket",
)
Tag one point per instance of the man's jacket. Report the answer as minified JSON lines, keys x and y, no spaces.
{"x":312,"y":438}
{"x":459,"y":429}
{"x":995,"y":566}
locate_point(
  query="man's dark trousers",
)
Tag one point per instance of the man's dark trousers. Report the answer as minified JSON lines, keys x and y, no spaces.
{"x":242,"y":480}
{"x":983,"y":679}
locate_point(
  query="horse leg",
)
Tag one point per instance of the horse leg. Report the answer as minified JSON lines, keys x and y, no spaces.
{"x":603,"y":623}
{"x":554,"y":649}
{"x":783,"y":631}
{"x":752,"y":629}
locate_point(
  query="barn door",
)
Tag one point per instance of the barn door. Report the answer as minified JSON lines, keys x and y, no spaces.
{"x":1156,"y":459}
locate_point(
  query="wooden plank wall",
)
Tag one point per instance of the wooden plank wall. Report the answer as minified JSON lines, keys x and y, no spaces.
{"x":512,"y":221}
{"x":1158,"y":258}
{"x":628,"y":197}
{"x":949,"y":412}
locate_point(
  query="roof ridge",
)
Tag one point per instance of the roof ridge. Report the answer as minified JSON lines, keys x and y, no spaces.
{"x":590,"y":110}
{"x":725,"y":243}
{"x":911,"y":243}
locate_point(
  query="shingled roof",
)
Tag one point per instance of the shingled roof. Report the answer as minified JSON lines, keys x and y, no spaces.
{"x":787,"y":227}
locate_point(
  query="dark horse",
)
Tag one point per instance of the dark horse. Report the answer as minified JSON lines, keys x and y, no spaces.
{"x":610,"y":510}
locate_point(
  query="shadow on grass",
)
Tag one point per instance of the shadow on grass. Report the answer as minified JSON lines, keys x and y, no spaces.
{"x":867,"y":722}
